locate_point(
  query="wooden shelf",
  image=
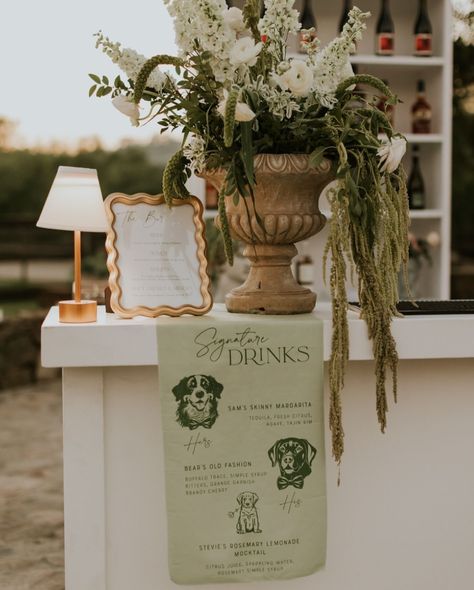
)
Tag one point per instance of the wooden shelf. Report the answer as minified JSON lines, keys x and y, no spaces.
{"x":398,"y":60}
{"x":426,"y":214}
{"x":386,"y":60}
{"x":424,"y":138}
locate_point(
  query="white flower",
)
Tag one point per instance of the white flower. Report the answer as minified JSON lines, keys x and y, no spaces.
{"x":330,"y":65}
{"x":127,"y":106}
{"x":347,"y":72}
{"x":243,"y":112}
{"x":279,"y":21}
{"x":245,"y":51}
{"x":130,"y":62}
{"x":433,"y":239}
{"x":202,"y":21}
{"x":391,"y":153}
{"x":195,"y":152}
{"x":298,"y":78}
{"x":234,"y":18}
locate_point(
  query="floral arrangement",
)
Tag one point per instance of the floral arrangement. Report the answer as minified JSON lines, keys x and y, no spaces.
{"x":236,"y":92}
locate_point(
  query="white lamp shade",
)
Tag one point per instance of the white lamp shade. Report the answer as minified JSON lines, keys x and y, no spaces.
{"x":74,"y":202}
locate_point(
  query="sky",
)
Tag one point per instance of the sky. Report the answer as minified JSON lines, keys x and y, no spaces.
{"x":47,"y":50}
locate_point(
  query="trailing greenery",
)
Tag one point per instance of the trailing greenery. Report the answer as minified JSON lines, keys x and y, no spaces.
{"x":237,"y":94}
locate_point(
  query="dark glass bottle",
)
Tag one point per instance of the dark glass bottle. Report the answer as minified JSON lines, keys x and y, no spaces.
{"x":211,"y":196}
{"x":423,"y":31}
{"x":421,"y":111}
{"x":305,"y":267}
{"x":416,"y":185}
{"x":307,"y":21}
{"x":262,"y":8}
{"x":385,"y":31}
{"x":229,"y":3}
{"x":386,"y":108}
{"x":345,"y":13}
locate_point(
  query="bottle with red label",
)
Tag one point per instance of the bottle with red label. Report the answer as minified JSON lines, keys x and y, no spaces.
{"x":385,"y":31}
{"x":423,"y":31}
{"x":421,"y":111}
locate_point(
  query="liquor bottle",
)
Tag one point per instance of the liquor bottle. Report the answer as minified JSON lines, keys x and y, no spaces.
{"x":385,"y":32}
{"x":345,"y":13}
{"x":416,"y":185}
{"x":421,"y":111}
{"x":308,"y":22}
{"x":211,"y":196}
{"x":305,"y":267}
{"x":386,"y":108}
{"x":229,"y":3}
{"x":423,"y":31}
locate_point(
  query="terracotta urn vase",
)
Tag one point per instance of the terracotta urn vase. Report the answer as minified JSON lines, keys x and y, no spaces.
{"x":287,"y":192}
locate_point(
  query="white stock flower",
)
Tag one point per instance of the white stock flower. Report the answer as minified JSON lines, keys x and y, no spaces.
{"x":195,"y":151}
{"x":130,"y":62}
{"x":127,"y":106}
{"x":243,"y":113}
{"x":234,"y":18}
{"x":245,"y":51}
{"x":433,"y":239}
{"x":330,"y":65}
{"x":298,"y":78}
{"x":391,"y":153}
{"x":202,"y":22}
{"x":279,"y":20}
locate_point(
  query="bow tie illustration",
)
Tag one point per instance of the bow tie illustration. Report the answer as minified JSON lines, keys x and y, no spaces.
{"x":206,"y":424}
{"x":297,"y":481}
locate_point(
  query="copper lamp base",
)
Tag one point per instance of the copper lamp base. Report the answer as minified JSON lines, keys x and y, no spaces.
{"x":77,"y":312}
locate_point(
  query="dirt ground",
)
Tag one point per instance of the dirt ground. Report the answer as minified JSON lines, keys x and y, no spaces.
{"x":31,"y":500}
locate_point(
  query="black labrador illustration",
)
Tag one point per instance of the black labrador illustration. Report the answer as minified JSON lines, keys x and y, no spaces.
{"x":197,"y":398}
{"x":248,"y":515}
{"x":294,"y":457}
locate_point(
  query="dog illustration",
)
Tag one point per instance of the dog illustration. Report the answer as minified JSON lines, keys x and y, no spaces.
{"x":197,"y":398}
{"x":248,"y":515}
{"x":294,"y":457}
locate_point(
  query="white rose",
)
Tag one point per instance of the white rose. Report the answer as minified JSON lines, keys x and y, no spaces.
{"x":243,"y":112}
{"x":245,"y":52}
{"x":234,"y":18}
{"x":127,"y":106}
{"x":433,"y":239}
{"x":298,"y":78}
{"x":391,"y":153}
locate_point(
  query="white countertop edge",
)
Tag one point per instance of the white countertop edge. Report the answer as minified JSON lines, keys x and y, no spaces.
{"x":113,"y":341}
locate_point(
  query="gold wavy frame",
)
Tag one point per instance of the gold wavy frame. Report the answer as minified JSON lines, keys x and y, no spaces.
{"x":114,"y":256}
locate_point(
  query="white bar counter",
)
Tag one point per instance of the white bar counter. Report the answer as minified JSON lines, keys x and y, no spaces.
{"x":403,"y":516}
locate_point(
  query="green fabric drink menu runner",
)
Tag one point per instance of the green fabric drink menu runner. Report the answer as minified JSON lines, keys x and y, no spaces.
{"x":242,"y":412}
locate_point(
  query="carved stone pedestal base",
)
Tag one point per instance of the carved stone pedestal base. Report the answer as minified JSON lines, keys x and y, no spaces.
{"x":270,"y":287}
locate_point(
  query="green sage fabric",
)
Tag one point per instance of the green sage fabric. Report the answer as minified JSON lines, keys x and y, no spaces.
{"x":242,"y":412}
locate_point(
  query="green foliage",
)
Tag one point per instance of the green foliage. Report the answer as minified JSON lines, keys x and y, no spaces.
{"x":174,"y":178}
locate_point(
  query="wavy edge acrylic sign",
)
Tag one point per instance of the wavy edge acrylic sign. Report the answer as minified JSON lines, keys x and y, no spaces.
{"x":156,"y":256}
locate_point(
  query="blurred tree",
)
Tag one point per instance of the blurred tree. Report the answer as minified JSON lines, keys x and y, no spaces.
{"x":7,"y":133}
{"x":26,"y":176}
{"x":463,"y":150}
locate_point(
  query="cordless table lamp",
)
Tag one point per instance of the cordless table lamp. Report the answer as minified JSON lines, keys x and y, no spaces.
{"x":75,"y":203}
